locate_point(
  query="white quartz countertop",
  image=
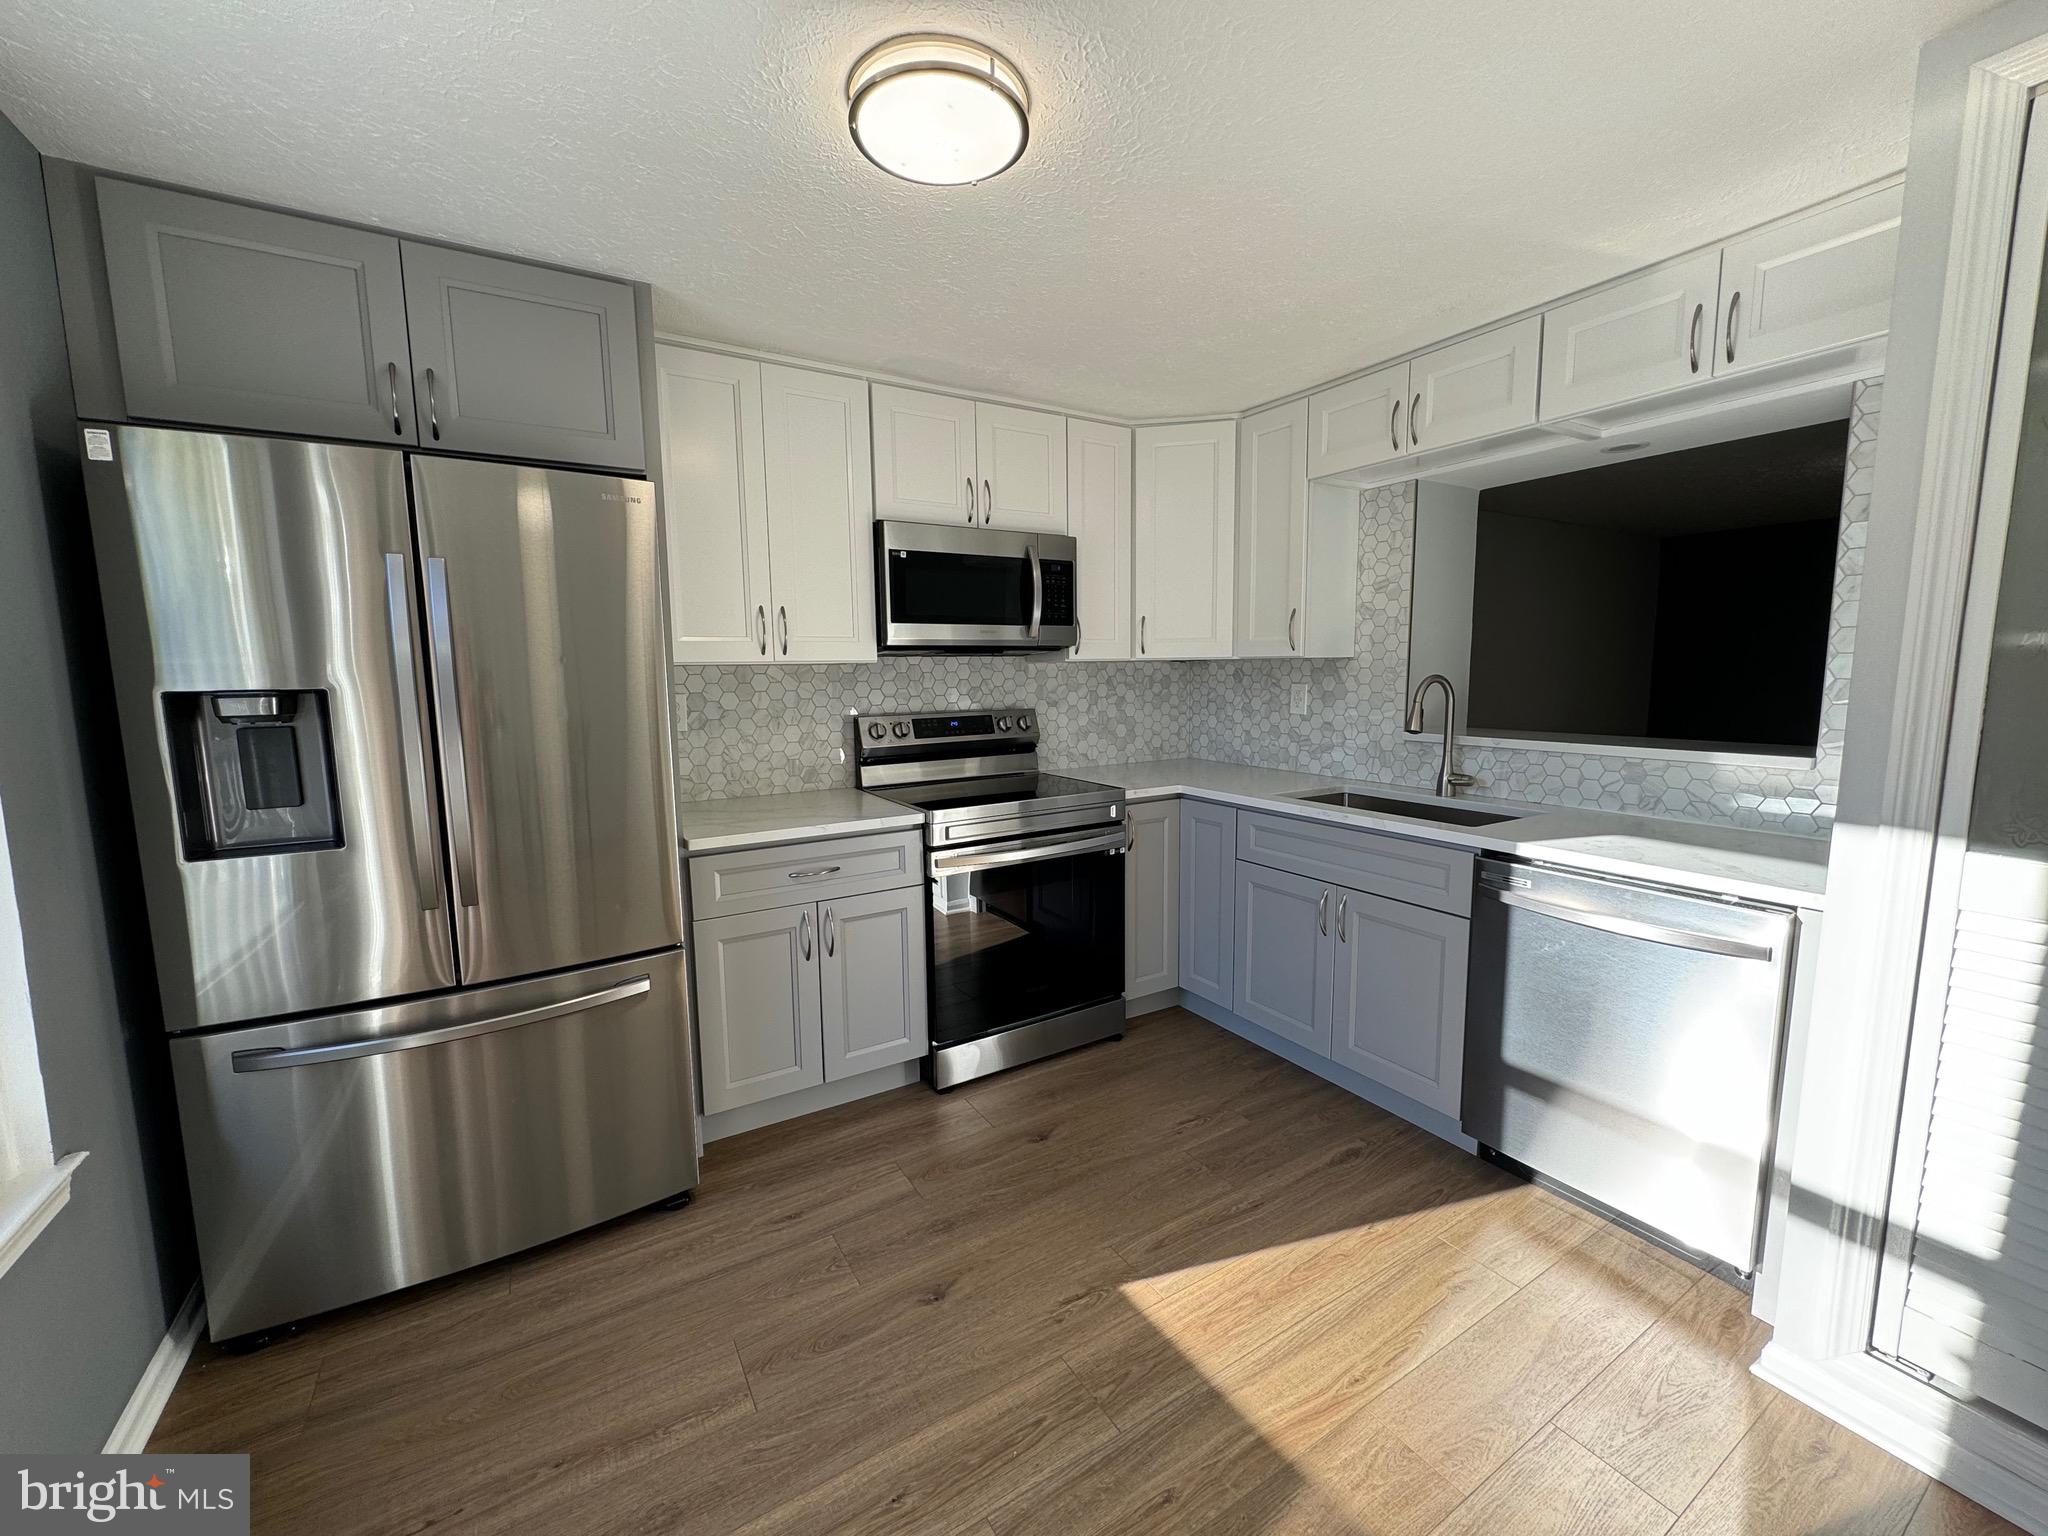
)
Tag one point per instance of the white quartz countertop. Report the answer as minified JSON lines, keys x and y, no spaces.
{"x":1779,"y":867}
{"x":709,"y":826}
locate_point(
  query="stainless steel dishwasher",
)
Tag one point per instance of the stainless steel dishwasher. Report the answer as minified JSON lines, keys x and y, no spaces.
{"x":1622,"y":1040}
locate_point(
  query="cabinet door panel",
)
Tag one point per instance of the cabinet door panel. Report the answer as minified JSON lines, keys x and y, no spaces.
{"x":239,"y":317}
{"x":1208,"y":889}
{"x":527,"y":362}
{"x":1186,"y":536}
{"x":759,"y":1016}
{"x":821,"y":517}
{"x":1475,"y":387}
{"x":1022,"y":458}
{"x":924,"y":457}
{"x":1651,"y":333}
{"x":715,"y":505}
{"x":1280,"y":970}
{"x":1359,"y":423}
{"x":1398,"y":999}
{"x":1099,"y":515}
{"x":1152,"y":899}
{"x":871,"y":971}
{"x":1821,"y":281}
{"x":1272,"y":532}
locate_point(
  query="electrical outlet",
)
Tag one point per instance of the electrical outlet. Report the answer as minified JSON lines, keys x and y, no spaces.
{"x":1297,"y":699}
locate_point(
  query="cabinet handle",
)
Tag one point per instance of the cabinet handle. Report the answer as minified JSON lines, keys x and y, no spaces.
{"x":1394,"y":425}
{"x":970,"y":501}
{"x":1292,"y":614}
{"x":1698,"y":313}
{"x":761,"y":626}
{"x":812,"y":874}
{"x":803,"y":932}
{"x":1734,"y":308}
{"x":391,"y":383}
{"x":1342,"y":903}
{"x":830,"y":930}
{"x":433,"y":415}
{"x":782,"y":617}
{"x":1323,"y":913}
{"x":1141,"y":634}
{"x":1414,"y":415}
{"x":988,"y":503}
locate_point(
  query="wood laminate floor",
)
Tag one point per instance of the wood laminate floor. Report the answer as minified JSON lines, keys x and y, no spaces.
{"x":1168,"y":1284}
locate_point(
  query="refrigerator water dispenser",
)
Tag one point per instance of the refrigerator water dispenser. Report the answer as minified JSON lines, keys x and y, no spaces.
{"x":254,"y":772}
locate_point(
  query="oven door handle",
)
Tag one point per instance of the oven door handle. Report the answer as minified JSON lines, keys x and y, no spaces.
{"x":1035,"y":852}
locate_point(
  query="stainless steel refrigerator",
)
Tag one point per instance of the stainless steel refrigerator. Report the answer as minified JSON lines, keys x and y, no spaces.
{"x":397,"y":735}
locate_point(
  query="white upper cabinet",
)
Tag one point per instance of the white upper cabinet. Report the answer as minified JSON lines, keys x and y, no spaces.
{"x":821,"y":517}
{"x":1360,"y":423}
{"x":767,"y":492}
{"x":1186,"y":536}
{"x":1021,"y":457}
{"x":1272,"y":530}
{"x":925,"y":457}
{"x":1818,"y":282}
{"x":1475,"y":387}
{"x":1647,"y":334}
{"x":715,"y":496}
{"x":1099,"y":517}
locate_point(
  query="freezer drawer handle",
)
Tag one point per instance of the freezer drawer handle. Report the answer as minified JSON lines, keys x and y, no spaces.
{"x":455,"y":755}
{"x":1629,"y":928}
{"x":398,"y":602}
{"x":271,"y":1058}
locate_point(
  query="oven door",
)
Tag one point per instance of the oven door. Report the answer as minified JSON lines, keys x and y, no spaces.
{"x":1025,"y":930}
{"x":940,"y":588}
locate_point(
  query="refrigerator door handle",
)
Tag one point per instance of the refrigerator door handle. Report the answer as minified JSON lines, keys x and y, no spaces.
{"x":411,"y":737}
{"x":448,"y":701}
{"x":272,"y":1058}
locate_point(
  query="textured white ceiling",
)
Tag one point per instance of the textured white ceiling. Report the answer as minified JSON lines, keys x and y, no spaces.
{"x":1222,"y":201}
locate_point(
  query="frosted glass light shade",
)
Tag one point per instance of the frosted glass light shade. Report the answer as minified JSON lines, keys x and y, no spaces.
{"x":938,"y":110}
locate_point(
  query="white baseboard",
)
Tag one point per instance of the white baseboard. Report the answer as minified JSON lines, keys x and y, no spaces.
{"x":1984,"y":1457}
{"x":131,"y":1432}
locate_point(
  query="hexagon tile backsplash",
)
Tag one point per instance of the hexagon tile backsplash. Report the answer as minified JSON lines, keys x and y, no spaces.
{"x":763,"y":730}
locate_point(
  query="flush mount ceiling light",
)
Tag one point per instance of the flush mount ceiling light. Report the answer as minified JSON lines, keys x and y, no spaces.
{"x":938,"y":110}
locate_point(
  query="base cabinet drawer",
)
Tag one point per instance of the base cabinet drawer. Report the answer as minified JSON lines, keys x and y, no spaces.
{"x":1397,"y":997}
{"x":756,"y":879}
{"x":1426,"y":874}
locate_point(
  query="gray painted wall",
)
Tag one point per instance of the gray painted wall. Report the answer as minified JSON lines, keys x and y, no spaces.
{"x":82,"y":1311}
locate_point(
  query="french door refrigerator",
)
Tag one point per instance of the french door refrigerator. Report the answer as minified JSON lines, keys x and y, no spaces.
{"x":397,"y":740}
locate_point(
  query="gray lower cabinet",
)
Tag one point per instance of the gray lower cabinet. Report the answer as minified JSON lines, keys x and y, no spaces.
{"x":759,"y":1012}
{"x":871,"y":968}
{"x":1208,"y":886}
{"x":521,"y":361}
{"x":1281,"y":965}
{"x":1152,"y":898}
{"x":1397,"y":999}
{"x":240,"y":317}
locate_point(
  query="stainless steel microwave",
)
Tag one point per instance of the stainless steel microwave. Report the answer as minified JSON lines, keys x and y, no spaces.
{"x":940,"y":588}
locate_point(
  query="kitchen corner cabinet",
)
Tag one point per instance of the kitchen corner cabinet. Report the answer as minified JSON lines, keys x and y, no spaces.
{"x":766,"y":491}
{"x":1099,"y":517}
{"x":524,"y":362}
{"x":1297,"y":545}
{"x":1185,"y":540}
{"x":1152,"y":898}
{"x":940,"y":459}
{"x":241,"y":317}
{"x":1208,"y":888}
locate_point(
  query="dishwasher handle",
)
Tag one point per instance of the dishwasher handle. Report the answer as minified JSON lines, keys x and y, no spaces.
{"x":1631,"y":928}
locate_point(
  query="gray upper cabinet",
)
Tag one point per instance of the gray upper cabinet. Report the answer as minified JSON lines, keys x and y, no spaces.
{"x":523,"y":362}
{"x":240,"y":317}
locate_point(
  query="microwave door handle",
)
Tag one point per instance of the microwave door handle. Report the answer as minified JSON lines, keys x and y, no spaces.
{"x":965,"y":863}
{"x":1037,"y":590}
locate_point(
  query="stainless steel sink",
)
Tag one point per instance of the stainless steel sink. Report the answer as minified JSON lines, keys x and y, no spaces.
{"x":1454,"y":815}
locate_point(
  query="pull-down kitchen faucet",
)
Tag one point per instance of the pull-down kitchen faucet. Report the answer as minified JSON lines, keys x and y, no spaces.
{"x":1448,"y":780}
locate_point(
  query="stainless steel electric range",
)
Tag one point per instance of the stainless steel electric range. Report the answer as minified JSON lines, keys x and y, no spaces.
{"x":1026,"y":881}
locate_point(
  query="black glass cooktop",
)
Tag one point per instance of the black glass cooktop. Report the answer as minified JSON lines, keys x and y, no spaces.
{"x":1003,"y":789}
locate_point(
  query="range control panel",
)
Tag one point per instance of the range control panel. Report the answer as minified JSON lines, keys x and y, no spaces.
{"x":1008,"y":726}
